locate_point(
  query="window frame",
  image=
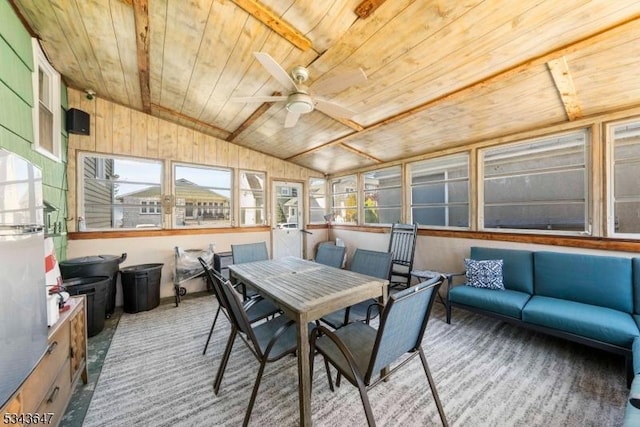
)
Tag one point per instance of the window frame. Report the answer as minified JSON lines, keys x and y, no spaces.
{"x":227,"y":223}
{"x":363,"y":196}
{"x":40,"y":63}
{"x":610,"y":163}
{"x":586,"y":150}
{"x":464,"y":157}
{"x":264,"y":196}
{"x":80,"y":208}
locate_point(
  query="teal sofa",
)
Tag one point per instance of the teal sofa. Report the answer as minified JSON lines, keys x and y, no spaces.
{"x":589,"y":299}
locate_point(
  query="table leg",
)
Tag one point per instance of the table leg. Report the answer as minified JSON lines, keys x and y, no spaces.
{"x":304,"y":374}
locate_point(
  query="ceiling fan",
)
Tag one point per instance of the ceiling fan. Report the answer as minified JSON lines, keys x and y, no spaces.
{"x":302,"y":99}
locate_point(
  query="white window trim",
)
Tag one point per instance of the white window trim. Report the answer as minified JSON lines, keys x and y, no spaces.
{"x":40,"y":62}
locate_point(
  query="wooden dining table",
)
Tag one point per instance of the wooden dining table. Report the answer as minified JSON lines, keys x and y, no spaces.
{"x":306,"y":291}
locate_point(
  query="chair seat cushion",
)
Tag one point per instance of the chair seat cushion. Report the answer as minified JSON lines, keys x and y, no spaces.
{"x":359,"y":339}
{"x":261,"y":309}
{"x":506,"y":302}
{"x":590,"y":321}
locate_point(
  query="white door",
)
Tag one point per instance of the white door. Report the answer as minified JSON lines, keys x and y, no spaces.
{"x":286,"y":219}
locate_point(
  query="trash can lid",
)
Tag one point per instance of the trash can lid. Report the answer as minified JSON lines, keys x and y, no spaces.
{"x":94,"y":259}
{"x":141,"y":267}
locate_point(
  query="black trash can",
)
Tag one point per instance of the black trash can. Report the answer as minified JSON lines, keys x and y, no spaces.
{"x":141,"y":287}
{"x":96,"y":265}
{"x":95,"y":289}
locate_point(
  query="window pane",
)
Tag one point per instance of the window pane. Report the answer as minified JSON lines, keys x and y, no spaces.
{"x":317,"y":200}
{"x":625,"y":199}
{"x":344,"y":200}
{"x":537,"y":185}
{"x":202,"y":196}
{"x":383,"y":195}
{"x":121,"y":193}
{"x":252,"y":198}
{"x":440,"y":191}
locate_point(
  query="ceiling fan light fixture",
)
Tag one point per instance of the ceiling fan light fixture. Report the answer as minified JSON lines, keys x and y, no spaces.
{"x":300,"y":103}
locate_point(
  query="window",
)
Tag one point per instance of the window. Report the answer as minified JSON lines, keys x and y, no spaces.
{"x":120,"y":193}
{"x":317,"y":200}
{"x":624,"y":179}
{"x":537,"y":185}
{"x":195,"y":188}
{"x":252,"y":198}
{"x":47,"y":110}
{"x":344,"y":201}
{"x":383,"y":195}
{"x":440,"y":191}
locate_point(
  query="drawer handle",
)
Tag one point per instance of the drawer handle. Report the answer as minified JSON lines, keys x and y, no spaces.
{"x":52,"y":347}
{"x":53,"y":395}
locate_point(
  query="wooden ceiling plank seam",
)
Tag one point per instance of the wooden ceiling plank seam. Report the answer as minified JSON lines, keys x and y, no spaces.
{"x":252,"y":118}
{"x":561,"y":75}
{"x":367,"y":7}
{"x":360,"y":153}
{"x":126,"y":42}
{"x":272,"y":21}
{"x":501,"y":74}
{"x":198,"y":56}
{"x":141,"y":19}
{"x":157,"y":43}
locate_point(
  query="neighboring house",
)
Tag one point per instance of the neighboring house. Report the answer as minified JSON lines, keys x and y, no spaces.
{"x":194,"y":205}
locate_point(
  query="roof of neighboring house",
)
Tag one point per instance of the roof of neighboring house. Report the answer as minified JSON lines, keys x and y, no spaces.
{"x":185,"y":189}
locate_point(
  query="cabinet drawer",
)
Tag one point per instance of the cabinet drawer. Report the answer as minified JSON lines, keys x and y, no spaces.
{"x":56,"y":398}
{"x":36,"y":386}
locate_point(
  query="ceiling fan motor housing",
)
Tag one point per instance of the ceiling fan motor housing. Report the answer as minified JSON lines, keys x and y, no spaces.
{"x":299,"y":102}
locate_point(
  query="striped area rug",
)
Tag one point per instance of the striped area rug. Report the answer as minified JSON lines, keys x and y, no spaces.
{"x":488,"y":373}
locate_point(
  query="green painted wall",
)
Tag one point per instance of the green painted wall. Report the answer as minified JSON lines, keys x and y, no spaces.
{"x":16,"y":121}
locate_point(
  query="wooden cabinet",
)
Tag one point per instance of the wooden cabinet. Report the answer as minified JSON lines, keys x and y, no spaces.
{"x":45,"y":394}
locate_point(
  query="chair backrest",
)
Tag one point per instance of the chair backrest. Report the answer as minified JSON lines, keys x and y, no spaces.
{"x":331,"y":255}
{"x":214,"y":279}
{"x":402,"y":324}
{"x":402,"y":243}
{"x":249,"y":252}
{"x":237,"y":312}
{"x":371,"y":263}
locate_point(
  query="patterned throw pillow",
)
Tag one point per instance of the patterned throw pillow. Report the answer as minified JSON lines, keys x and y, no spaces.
{"x":484,"y":274}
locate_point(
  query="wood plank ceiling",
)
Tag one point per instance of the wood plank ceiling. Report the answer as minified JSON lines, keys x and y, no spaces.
{"x":440,"y":73}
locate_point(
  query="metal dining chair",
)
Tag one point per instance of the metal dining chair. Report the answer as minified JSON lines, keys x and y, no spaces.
{"x":330,"y":254}
{"x":268,"y":341}
{"x":402,"y":244}
{"x":371,"y":263}
{"x":359,"y":352}
{"x":256,"y":308}
{"x":248,"y":252}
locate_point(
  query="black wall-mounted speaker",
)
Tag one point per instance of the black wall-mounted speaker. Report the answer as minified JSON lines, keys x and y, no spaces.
{"x":78,"y":122}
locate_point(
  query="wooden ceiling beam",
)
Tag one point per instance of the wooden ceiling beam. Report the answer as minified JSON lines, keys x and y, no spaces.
{"x":252,"y":118}
{"x":367,"y":7}
{"x":188,"y":118}
{"x":141,"y":18}
{"x":561,"y":75}
{"x":359,"y":152}
{"x":499,"y":75}
{"x":275,"y":23}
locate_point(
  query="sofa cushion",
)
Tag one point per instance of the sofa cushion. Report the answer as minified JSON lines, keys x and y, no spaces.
{"x":605,"y":281}
{"x":505,"y":302}
{"x":484,"y":274}
{"x":517,"y":271}
{"x":590,"y":321}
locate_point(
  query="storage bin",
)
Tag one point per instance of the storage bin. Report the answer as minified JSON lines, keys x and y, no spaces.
{"x":141,"y":287}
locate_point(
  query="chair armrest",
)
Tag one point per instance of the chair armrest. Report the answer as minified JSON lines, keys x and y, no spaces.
{"x":369,"y":309}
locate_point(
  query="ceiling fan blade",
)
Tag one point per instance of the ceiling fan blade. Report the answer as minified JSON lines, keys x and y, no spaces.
{"x":291,"y":119}
{"x":333,"y":110}
{"x":276,"y":70}
{"x":258,"y":98}
{"x":339,"y":82}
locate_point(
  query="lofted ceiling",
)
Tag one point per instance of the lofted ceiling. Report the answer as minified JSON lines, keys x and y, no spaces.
{"x":440,"y":73}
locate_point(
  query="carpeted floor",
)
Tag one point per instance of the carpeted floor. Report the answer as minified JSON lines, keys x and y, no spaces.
{"x":488,"y":374}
